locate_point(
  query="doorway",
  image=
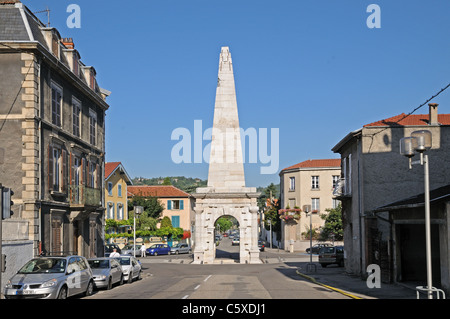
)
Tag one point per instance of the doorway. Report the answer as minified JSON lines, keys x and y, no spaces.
{"x":412,"y":253}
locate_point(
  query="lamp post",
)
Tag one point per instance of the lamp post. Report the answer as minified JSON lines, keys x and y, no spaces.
{"x":137,"y":211}
{"x":420,"y":141}
{"x":307,"y":209}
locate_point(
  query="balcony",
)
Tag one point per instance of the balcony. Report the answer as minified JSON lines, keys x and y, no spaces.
{"x":342,"y":189}
{"x":82,"y":195}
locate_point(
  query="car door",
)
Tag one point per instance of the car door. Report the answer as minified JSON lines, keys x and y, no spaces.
{"x":73,"y":277}
{"x":85,"y":273}
{"x":116,"y":271}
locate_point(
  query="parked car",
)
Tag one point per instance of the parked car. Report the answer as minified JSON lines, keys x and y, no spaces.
{"x":131,"y":268}
{"x":128,"y":250}
{"x":331,"y":255}
{"x":107,"y":272}
{"x":316,"y":248}
{"x":51,"y":278}
{"x":235,"y":241}
{"x":180,"y":249}
{"x":261,"y":245}
{"x":109,"y":249}
{"x":158,"y":249}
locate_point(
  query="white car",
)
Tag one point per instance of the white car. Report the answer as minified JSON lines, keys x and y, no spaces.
{"x":131,"y":268}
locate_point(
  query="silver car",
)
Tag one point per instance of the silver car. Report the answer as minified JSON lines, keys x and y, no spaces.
{"x":180,"y":249}
{"x":51,"y":278}
{"x":131,"y":268}
{"x":107,"y":272}
{"x":128,"y":250}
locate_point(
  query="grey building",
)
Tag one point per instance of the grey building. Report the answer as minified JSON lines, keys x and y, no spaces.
{"x":373,"y":175}
{"x":52,"y":135}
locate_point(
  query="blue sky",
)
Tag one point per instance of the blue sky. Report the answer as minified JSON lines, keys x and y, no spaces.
{"x":312,"y":68}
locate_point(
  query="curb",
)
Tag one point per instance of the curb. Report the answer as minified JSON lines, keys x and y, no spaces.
{"x":326,"y":286}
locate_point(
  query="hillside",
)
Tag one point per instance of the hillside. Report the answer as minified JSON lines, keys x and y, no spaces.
{"x":187,"y":184}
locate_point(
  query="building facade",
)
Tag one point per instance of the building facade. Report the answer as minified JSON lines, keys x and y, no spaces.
{"x":116,"y":199}
{"x":52,"y":135}
{"x":374,"y":174}
{"x":307,"y":183}
{"x":178,"y":205}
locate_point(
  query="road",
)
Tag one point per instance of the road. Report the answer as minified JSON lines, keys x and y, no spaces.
{"x":173,"y":277}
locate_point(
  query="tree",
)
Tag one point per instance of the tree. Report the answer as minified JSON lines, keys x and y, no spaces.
{"x":165,"y":222}
{"x":333,"y":224}
{"x":152,"y":206}
{"x":224,"y":223}
{"x":167,"y":181}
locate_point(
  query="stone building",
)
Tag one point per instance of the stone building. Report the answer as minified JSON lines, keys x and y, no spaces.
{"x":374,"y":174}
{"x":52,"y":135}
{"x":312,"y":183}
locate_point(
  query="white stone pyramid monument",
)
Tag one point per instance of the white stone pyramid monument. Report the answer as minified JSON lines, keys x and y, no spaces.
{"x":226,"y":193}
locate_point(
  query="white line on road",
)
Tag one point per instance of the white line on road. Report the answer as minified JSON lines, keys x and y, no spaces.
{"x":185,"y":297}
{"x":198,"y":286}
{"x":207,"y":278}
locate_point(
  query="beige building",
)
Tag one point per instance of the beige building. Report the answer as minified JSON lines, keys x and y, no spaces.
{"x":116,"y":182}
{"x":375,"y":175}
{"x":307,"y":183}
{"x":178,"y":205}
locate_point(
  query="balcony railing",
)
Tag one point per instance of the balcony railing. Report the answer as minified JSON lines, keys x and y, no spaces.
{"x":83,"y":195}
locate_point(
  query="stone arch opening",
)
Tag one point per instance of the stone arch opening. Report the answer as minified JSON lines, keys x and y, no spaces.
{"x":227,"y":229}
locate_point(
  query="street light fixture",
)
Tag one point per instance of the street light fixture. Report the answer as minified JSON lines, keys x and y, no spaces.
{"x":137,"y":211}
{"x":421,"y":141}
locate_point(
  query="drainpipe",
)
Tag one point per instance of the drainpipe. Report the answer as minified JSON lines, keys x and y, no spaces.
{"x":360,"y":213}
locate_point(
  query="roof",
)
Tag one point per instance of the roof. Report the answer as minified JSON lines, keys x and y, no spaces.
{"x":438,"y":194}
{"x":156,"y":191}
{"x":410,"y":120}
{"x":317,"y":163}
{"x":111,"y":167}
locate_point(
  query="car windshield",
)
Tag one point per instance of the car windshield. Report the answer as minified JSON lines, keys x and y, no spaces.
{"x":44,"y":265}
{"x":123,"y":260}
{"x":176,"y":246}
{"x":99,"y":263}
{"x":127,"y":247}
{"x":154,"y":246}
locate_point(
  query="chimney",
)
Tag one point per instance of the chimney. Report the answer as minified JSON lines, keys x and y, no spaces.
{"x":68,"y":43}
{"x":433,"y":120}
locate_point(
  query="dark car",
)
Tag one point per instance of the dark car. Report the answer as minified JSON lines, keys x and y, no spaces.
{"x":331,"y":255}
{"x":158,"y":249}
{"x":261,"y":245}
{"x":316,"y":248}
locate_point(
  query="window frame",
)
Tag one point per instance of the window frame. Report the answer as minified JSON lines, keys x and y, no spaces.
{"x":56,"y":106}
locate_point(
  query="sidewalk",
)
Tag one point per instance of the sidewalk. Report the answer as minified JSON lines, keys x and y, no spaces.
{"x":335,"y":278}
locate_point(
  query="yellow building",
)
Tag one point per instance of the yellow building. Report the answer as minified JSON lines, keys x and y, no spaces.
{"x":116,"y":183}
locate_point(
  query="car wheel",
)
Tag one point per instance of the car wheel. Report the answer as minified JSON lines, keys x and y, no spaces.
{"x":90,"y":289}
{"x":121,"y":280}
{"x":176,"y":252}
{"x":63,"y":293}
{"x":139,"y":277}
{"x":130,"y":277}
{"x":155,"y":254}
{"x":109,"y":284}
{"x":324,"y":265}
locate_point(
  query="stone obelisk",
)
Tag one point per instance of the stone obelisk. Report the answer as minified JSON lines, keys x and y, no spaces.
{"x":226,"y":193}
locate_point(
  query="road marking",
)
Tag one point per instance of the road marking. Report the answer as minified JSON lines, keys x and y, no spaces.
{"x":207,"y":278}
{"x":198,"y":286}
{"x":185,"y":297}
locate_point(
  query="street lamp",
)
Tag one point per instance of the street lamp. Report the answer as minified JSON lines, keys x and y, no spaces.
{"x":137,"y":211}
{"x":421,"y":141}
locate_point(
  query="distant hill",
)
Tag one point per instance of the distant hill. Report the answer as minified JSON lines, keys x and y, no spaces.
{"x":187,"y":184}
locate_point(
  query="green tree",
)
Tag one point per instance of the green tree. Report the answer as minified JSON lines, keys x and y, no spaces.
{"x":224,"y":223}
{"x":165,"y":222}
{"x":333,"y":224}
{"x":152,"y":206}
{"x":167,"y":181}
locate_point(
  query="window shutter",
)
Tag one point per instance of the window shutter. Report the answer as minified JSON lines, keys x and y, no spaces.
{"x":64,"y":171}
{"x":169,"y":204}
{"x":50,"y":168}
{"x":181,"y":204}
{"x":99,"y":176}
{"x":83,"y":171}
